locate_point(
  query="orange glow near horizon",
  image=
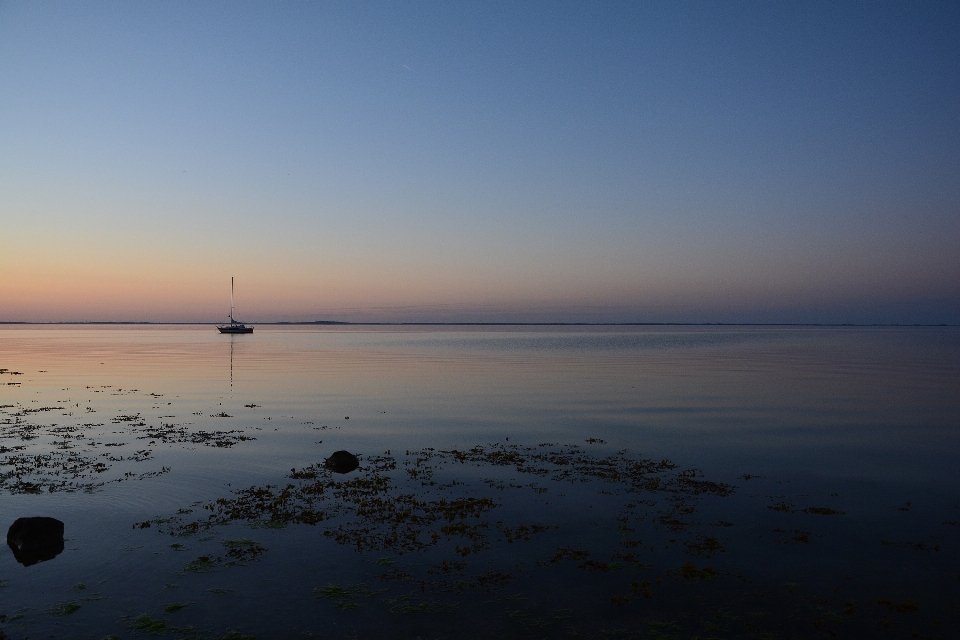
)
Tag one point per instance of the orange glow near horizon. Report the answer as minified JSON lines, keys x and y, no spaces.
{"x":124,"y":273}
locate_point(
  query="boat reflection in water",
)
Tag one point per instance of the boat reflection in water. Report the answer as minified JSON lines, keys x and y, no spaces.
{"x":234,"y":326}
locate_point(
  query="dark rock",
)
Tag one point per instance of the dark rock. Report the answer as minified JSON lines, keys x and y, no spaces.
{"x":342,"y":462}
{"x":34,"y":540}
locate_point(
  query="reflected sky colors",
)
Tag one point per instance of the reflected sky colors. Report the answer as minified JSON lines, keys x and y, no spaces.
{"x":616,"y":162}
{"x":836,"y":448}
{"x":875,"y":402}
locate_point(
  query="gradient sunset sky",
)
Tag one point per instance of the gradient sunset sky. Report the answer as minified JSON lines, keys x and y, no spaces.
{"x":488,"y":161}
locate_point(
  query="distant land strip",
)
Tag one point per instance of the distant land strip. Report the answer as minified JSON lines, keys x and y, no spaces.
{"x":496,"y":324}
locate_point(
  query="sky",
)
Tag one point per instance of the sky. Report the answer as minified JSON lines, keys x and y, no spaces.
{"x":480,"y":162}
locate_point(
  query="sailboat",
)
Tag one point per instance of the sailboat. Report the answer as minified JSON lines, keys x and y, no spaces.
{"x":234,"y":326}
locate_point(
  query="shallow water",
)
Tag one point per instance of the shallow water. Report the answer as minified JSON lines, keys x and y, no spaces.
{"x":661,"y":482}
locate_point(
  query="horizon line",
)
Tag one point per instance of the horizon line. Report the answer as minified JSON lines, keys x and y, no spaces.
{"x":531,"y":324}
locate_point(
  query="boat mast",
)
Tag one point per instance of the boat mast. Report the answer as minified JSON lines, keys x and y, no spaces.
{"x":231,"y":301}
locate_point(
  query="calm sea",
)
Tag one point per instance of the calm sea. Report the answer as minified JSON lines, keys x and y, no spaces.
{"x":648,"y":482}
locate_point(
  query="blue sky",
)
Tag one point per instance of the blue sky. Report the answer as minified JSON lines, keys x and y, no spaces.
{"x":494,"y":161}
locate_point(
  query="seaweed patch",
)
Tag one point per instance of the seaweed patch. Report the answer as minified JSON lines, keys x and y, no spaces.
{"x":76,"y":455}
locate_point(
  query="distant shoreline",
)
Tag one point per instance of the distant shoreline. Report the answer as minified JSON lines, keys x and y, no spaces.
{"x":495,"y":324}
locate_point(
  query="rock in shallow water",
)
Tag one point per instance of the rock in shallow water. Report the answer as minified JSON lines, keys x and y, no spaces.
{"x":342,"y":462}
{"x":34,"y":540}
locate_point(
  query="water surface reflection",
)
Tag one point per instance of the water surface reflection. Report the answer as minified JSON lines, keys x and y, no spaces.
{"x":642,"y":482}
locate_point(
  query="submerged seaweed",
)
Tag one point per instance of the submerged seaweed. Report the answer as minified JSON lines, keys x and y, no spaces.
{"x":457,"y":512}
{"x":76,"y":455}
{"x":496,"y":540}
{"x":385,"y":511}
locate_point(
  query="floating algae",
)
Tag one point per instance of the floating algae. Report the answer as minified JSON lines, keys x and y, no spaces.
{"x":633,"y":558}
{"x":74,"y":455}
{"x":238,"y":553}
{"x":65,"y":608}
{"x":173,"y":433}
{"x":346,"y":598}
{"x":466,"y":528}
{"x":381,"y":510}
